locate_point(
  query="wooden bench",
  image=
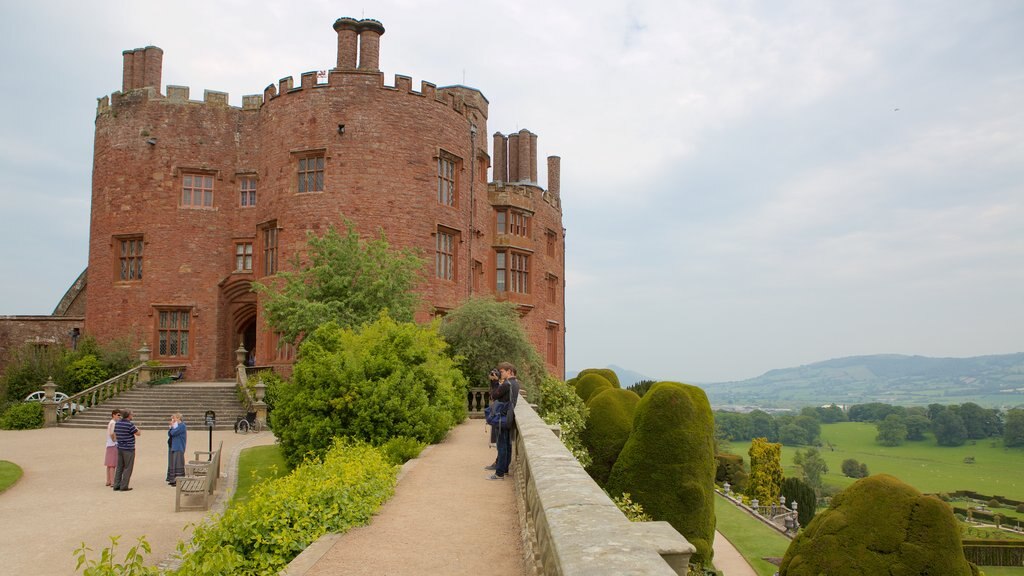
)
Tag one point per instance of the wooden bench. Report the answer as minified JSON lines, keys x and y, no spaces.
{"x":200,"y":480}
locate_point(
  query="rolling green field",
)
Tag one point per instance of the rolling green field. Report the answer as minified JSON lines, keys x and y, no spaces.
{"x":925,"y":465}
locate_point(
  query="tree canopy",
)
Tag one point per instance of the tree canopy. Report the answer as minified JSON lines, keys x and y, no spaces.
{"x":346,"y":280}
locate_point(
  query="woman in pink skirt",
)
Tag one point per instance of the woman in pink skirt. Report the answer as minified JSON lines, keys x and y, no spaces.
{"x":110,"y":457}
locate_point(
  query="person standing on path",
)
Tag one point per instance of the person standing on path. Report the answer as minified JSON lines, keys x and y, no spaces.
{"x":110,"y":456}
{"x":177,"y":435}
{"x":508,"y":391}
{"x":126,"y":431}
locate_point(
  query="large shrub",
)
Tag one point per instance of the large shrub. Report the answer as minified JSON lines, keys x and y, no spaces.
{"x":22,"y":416}
{"x":83,"y":373}
{"x":729,"y":468}
{"x":796,"y":490}
{"x":589,"y":385}
{"x":388,"y":379}
{"x":606,"y":373}
{"x":668,"y":462}
{"x":879,"y":525}
{"x":282,"y":517}
{"x":608,"y":427}
{"x":558,"y":404}
{"x":765,"y":470}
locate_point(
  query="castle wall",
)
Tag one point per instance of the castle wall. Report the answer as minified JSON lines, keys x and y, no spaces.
{"x":380,"y":144}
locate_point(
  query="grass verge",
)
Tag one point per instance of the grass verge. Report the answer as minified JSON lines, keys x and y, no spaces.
{"x":255,"y":465}
{"x":753,"y":539}
{"x":9,"y":474}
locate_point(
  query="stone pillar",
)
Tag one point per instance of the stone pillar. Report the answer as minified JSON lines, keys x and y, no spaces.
{"x":500,"y":161}
{"x":370,"y":32}
{"x":348,"y":42}
{"x":144,"y":351}
{"x":259,"y":405}
{"x":524,"y":156}
{"x":49,"y":404}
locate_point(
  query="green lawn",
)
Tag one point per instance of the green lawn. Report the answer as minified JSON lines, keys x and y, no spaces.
{"x":9,"y":474}
{"x":1001,"y":571}
{"x":258,"y":464}
{"x":924,"y":465}
{"x":753,"y":539}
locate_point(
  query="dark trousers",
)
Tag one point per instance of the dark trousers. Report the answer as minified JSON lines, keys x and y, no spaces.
{"x":504,"y":452}
{"x":123,"y":472}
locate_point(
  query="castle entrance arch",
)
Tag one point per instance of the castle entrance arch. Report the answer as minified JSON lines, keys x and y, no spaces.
{"x":238,"y":326}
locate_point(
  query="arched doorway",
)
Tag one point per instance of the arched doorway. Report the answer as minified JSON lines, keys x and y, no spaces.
{"x":238,"y":327}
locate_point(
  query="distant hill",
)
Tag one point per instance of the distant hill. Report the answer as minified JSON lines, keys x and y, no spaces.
{"x":626,"y":376}
{"x":991,"y":381}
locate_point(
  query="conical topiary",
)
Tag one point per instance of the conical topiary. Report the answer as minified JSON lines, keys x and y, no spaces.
{"x":879,"y":525}
{"x":608,"y":426}
{"x":668,"y":462}
{"x":591,"y":384}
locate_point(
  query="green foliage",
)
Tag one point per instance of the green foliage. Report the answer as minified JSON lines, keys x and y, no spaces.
{"x":483,"y":332}
{"x":796,"y":490}
{"x":762,"y":425}
{"x":608,"y":427}
{"x":388,"y":379}
{"x":918,"y":536}
{"x":765,"y":470}
{"x":83,"y":373}
{"x":347,"y":280}
{"x":792,"y":435}
{"x":892,"y":431}
{"x":606,"y":373}
{"x":873,"y":411}
{"x":917,"y":425}
{"x":812,"y":465}
{"x":1013,"y":430}
{"x":589,"y":385}
{"x":274,"y":385}
{"x":22,"y":416}
{"x":641,"y":387}
{"x":853,"y":469}
{"x":668,"y":462}
{"x":401,"y":449}
{"x":558,"y":405}
{"x":633,"y":510}
{"x":283,"y":517}
{"x":949,"y":428}
{"x":732,"y":426}
{"x":9,"y":474}
{"x":257,"y":465}
{"x":729,"y":468}
{"x":106,"y":565}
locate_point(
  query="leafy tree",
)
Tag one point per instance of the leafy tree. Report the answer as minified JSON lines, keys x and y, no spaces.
{"x":729,"y":468}
{"x":892,"y":431}
{"x":831,"y":414}
{"x":792,"y":435}
{"x":83,"y":373}
{"x":812,"y":465}
{"x":388,"y":379}
{"x":853,"y":469}
{"x":980,"y":422}
{"x":732,"y":426}
{"x":1013,"y":431}
{"x":482,"y":332}
{"x":949,"y":429}
{"x":811,"y":426}
{"x":641,"y":387}
{"x":347,"y":280}
{"x":873,"y":411}
{"x":762,"y":425}
{"x":558,"y":404}
{"x":796,"y":490}
{"x":917,"y":425}
{"x":934,"y":409}
{"x":765,"y":470}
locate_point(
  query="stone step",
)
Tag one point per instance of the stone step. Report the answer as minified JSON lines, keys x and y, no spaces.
{"x":152,"y":406}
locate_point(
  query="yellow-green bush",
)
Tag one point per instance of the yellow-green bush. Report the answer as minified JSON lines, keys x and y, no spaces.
{"x":608,"y":426}
{"x":879,"y":525}
{"x":281,"y":518}
{"x":606,"y":373}
{"x":591,"y":384}
{"x":765,"y":480}
{"x":668,"y":462}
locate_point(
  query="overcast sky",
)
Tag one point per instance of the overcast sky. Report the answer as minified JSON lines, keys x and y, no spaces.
{"x":745,"y":185}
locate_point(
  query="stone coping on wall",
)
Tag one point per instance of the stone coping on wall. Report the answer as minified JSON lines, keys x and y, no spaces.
{"x":572,"y":526}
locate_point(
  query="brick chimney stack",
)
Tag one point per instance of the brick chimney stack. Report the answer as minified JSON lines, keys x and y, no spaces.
{"x":513,"y":157}
{"x":143,"y":68}
{"x":500,"y":162}
{"x":348,"y":42}
{"x":554,"y":175}
{"x":527,"y":165}
{"x":370,"y":32}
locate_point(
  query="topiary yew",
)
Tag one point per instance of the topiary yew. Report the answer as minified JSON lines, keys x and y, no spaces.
{"x":589,"y":385}
{"x":879,"y":525}
{"x":608,"y":426}
{"x":668,"y":462}
{"x":765,"y":470}
{"x":606,"y":373}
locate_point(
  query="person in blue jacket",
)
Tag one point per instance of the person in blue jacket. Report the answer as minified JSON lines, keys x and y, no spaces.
{"x":176,"y":437}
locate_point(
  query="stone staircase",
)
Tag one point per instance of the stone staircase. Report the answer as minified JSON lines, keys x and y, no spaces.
{"x":152,"y":406}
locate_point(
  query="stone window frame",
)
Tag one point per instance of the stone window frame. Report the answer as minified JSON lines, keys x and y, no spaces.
{"x":551,"y":331}
{"x":551,"y":238}
{"x":446,"y":253}
{"x":243,"y":256}
{"x":512,"y":271}
{"x":129,"y":252}
{"x":302,"y":173}
{"x":513,"y":221}
{"x":269,"y":239}
{"x":186,"y":182}
{"x":449,"y":168}
{"x":247,"y":186}
{"x":173,"y":327}
{"x":551,"y":287}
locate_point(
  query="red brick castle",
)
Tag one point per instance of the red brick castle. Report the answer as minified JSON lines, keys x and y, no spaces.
{"x":192,"y":201}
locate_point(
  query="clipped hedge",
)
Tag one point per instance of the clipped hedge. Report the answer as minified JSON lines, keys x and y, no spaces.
{"x":281,"y":518}
{"x":22,"y":416}
{"x":608,"y":426}
{"x":668,"y":463}
{"x":589,"y":385}
{"x":879,"y":525}
{"x":606,"y":373}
